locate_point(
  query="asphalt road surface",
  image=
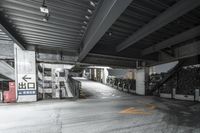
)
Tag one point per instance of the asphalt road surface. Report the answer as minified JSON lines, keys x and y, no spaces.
{"x":101,"y":110}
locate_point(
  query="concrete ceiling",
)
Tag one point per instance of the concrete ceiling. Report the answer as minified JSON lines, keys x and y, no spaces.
{"x":114,"y":32}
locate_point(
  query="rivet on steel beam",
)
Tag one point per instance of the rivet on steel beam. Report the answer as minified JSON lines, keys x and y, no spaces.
{"x":89,"y":11}
{"x":92,"y":3}
{"x":84,"y":27}
{"x":85,"y":22}
{"x":87,"y":17}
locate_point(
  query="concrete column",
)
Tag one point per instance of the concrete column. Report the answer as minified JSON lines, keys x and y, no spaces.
{"x":140,"y":81}
{"x":95,"y":74}
{"x":90,"y":74}
{"x":141,"y":78}
{"x":25,"y":75}
{"x":173,"y":93}
{"x":105,"y":75}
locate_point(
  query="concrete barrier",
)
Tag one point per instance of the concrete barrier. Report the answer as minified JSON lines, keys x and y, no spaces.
{"x":184,"y":97}
{"x":165,"y":95}
{"x":132,"y":91}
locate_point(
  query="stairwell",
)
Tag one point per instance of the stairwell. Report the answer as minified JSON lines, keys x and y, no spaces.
{"x":169,"y":75}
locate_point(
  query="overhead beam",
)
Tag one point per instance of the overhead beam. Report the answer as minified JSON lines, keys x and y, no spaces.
{"x":186,"y":51}
{"x":106,"y":15}
{"x":112,"y":61}
{"x":50,"y":49}
{"x":172,"y":13}
{"x":56,"y":58}
{"x":189,"y":34}
{"x":6,"y":27}
{"x":189,"y":50}
{"x":113,"y":57}
{"x":55,"y":61}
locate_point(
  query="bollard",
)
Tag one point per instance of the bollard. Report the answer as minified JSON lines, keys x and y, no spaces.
{"x":197,"y":95}
{"x":173,"y":92}
{"x":118,"y":85}
{"x":129,"y":87}
{"x":79,"y":89}
{"x":123,"y":87}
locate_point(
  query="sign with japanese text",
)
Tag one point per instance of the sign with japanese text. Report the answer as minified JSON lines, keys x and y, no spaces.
{"x":26,"y":84}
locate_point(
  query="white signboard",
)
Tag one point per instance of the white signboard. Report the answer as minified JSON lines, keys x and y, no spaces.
{"x":26,"y":84}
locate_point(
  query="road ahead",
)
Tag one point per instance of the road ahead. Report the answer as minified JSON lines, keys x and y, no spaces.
{"x":102,"y":110}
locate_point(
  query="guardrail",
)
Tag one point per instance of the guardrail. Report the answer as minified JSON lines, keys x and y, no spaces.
{"x":75,"y":87}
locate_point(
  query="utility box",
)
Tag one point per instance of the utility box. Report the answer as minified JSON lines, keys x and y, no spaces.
{"x":10,"y":95}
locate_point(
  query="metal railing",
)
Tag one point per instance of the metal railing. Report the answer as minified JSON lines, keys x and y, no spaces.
{"x":126,"y":85}
{"x":75,"y":87}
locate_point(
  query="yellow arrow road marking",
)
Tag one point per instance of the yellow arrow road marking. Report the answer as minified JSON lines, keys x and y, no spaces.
{"x":151,"y":106}
{"x":133,"y":110}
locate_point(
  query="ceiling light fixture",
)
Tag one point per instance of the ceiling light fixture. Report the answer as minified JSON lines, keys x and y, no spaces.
{"x":45,"y":11}
{"x":110,"y":33}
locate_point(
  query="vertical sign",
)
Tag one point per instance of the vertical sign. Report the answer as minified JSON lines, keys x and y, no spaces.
{"x":25,"y":75}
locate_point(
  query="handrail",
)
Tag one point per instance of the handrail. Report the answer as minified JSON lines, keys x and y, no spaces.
{"x":75,"y":87}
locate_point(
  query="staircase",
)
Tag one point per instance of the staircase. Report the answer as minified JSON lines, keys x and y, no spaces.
{"x":170,"y":74}
{"x":66,"y":92}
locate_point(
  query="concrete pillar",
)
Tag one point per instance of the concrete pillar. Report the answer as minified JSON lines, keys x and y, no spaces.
{"x":95,"y":74}
{"x":141,"y":78}
{"x":105,"y":75}
{"x":25,"y":75}
{"x":140,"y":81}
{"x":173,"y":92}
{"x":90,"y":74}
{"x":84,"y":74}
